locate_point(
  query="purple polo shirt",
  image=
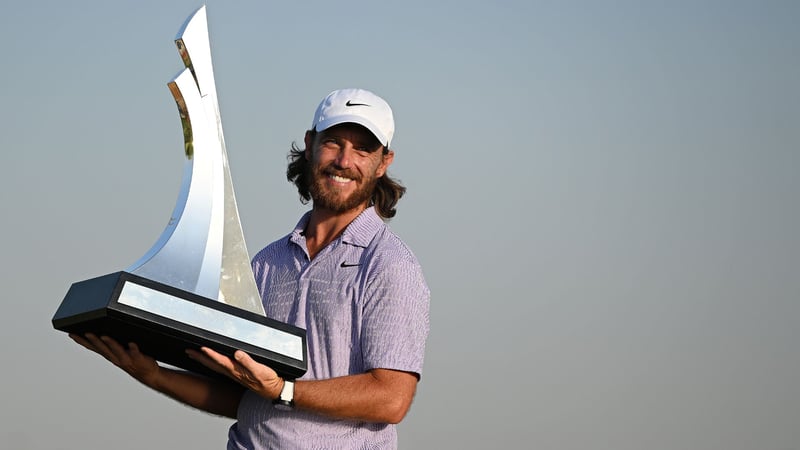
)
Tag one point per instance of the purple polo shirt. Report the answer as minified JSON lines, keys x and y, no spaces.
{"x":364,"y":304}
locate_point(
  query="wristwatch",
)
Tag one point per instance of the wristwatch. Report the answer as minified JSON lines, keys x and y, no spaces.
{"x":285,"y":401}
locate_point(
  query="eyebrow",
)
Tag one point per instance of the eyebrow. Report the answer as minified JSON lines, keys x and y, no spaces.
{"x":370,"y":142}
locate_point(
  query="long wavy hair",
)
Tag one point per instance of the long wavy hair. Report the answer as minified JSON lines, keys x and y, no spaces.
{"x":384,"y":198}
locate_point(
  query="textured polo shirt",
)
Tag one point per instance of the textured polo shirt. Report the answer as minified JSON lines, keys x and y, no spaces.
{"x":364,"y":304}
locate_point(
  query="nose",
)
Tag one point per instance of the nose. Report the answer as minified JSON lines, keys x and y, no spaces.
{"x":344,"y":157}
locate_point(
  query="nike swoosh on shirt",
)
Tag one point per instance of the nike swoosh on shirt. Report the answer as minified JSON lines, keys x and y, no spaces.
{"x":344,"y":264}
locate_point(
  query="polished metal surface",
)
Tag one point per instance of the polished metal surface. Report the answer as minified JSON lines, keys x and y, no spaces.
{"x":202,"y":249}
{"x":212,"y":320}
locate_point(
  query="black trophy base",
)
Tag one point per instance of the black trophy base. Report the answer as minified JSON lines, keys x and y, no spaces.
{"x":165,"y":321}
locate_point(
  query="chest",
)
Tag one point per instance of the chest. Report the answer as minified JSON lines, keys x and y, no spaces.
{"x":325,"y":294}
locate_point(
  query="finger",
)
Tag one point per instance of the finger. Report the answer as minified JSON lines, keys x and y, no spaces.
{"x":242,"y":357}
{"x":256,"y":376}
{"x":82,"y":341}
{"x":100,"y":347}
{"x":246,"y":367}
{"x":113,"y":345}
{"x":91,"y":342}
{"x":219,"y":358}
{"x":213,"y":354}
{"x":136,"y":357}
{"x":199,"y":357}
{"x":134,"y":349}
{"x":247,"y":363}
{"x":255,"y":368}
{"x":205,"y":360}
{"x":232,"y":367}
{"x":249,"y":371}
{"x":135,"y":353}
{"x":120,"y":353}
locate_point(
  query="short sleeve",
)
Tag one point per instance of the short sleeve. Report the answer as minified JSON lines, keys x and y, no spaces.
{"x":396,"y":316}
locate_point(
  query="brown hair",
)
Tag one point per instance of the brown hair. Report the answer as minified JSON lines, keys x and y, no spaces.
{"x":385,"y":196}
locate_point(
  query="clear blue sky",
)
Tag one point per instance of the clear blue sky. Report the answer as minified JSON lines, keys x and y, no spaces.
{"x":603,"y":195}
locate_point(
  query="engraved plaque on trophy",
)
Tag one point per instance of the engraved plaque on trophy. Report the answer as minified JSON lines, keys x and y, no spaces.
{"x":194,"y":287}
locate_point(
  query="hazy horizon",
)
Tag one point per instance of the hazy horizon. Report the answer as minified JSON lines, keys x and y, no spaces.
{"x":603,"y":198}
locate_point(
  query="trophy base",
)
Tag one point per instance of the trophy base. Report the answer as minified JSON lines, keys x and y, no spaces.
{"x":165,"y":321}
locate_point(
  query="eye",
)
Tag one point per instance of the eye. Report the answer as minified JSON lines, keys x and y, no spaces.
{"x":366,"y":146}
{"x":329,"y":143}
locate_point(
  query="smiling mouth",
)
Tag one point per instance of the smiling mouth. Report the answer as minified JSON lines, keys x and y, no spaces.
{"x":339,"y":179}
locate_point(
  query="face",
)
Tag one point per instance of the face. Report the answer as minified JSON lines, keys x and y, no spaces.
{"x":346,"y":162}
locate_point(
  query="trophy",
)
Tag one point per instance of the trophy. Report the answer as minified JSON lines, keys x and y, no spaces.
{"x":195,"y":286}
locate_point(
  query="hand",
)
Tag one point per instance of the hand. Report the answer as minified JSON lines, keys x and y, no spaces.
{"x":242,"y":369}
{"x":135,"y":363}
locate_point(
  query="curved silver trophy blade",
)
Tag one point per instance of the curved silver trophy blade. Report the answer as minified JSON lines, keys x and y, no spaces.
{"x":202,"y":249}
{"x":194,"y":287}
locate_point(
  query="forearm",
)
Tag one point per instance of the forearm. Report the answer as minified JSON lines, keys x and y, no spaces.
{"x":216,"y":396}
{"x":376,"y":396}
{"x":379,"y":395}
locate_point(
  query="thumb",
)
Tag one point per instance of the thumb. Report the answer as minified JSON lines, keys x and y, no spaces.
{"x":257,"y":370}
{"x":243,"y":359}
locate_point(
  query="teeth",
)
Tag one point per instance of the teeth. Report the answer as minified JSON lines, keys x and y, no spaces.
{"x":339,"y":179}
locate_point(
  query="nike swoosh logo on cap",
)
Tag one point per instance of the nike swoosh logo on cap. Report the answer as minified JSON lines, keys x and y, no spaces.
{"x":350,"y":103}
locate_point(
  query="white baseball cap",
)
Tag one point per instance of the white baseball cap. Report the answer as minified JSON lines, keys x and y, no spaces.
{"x":356,"y":106}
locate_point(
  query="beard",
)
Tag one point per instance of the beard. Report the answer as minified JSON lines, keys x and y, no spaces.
{"x":330,"y":198}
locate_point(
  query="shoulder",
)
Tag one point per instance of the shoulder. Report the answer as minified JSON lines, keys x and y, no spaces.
{"x":391,"y":261}
{"x":391,"y":248}
{"x":281,"y":248}
{"x":381,"y":246}
{"x":274,"y":251}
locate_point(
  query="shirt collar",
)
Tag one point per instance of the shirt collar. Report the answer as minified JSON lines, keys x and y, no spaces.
{"x":359,"y":232}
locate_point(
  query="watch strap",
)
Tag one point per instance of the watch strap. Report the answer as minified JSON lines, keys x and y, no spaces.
{"x":286,"y":398}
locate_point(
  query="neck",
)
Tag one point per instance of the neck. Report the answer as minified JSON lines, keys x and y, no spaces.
{"x":324,"y":226}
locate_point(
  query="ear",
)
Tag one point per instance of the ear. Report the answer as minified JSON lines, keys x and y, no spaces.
{"x":385,"y":163}
{"x":309,"y":143}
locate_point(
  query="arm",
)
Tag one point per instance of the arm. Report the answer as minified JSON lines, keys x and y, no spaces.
{"x":379,"y":395}
{"x":214,"y":396}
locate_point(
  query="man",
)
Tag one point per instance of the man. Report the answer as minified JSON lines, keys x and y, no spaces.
{"x":343,"y":276}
